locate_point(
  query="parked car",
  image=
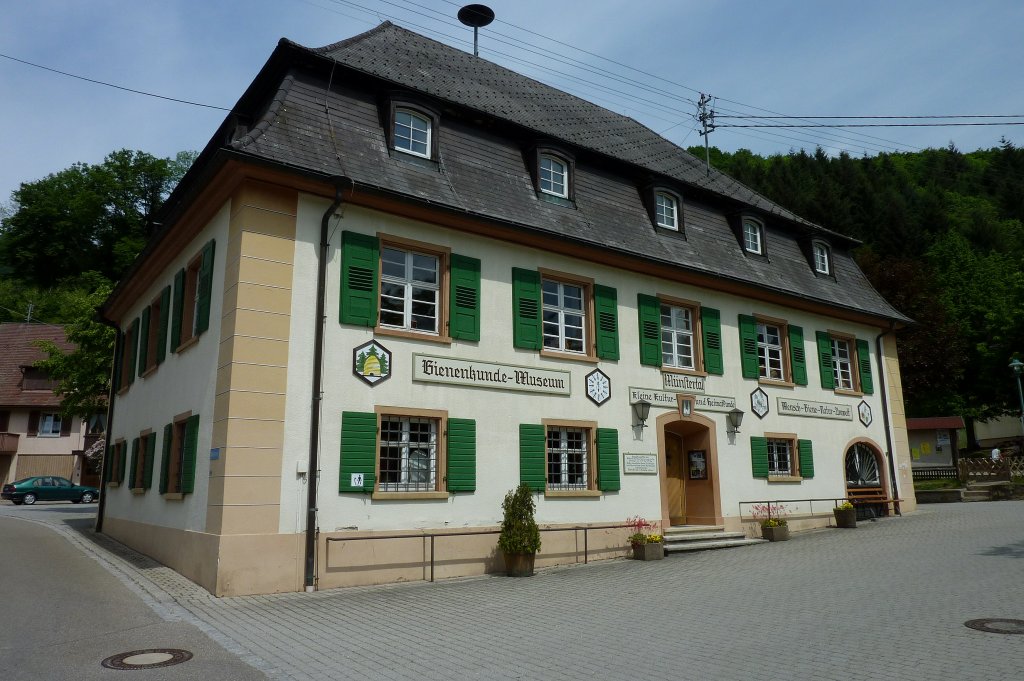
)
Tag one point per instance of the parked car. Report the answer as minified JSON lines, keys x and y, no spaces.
{"x":48,"y":488}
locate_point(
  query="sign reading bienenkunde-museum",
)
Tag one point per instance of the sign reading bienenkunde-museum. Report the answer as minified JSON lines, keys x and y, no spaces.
{"x":819,"y":410}
{"x":477,"y":374}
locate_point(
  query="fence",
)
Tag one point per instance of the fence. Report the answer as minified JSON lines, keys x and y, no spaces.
{"x":991,"y":470}
{"x":935,"y":473}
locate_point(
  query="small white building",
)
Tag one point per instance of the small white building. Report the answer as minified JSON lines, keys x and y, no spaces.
{"x":400,"y":280}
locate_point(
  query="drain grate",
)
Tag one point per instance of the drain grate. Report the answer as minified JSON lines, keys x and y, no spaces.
{"x":997,"y":626}
{"x":152,"y":658}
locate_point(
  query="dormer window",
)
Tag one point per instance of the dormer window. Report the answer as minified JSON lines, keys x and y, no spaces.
{"x":753,"y":236}
{"x":554,"y":176}
{"x":822,"y":258}
{"x":412,"y":133}
{"x":666,"y":211}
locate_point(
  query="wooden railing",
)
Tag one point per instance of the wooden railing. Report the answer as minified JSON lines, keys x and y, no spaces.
{"x":991,"y":469}
{"x":935,"y":473}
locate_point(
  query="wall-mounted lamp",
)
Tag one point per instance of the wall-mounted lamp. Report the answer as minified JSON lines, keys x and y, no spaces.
{"x":641,"y":410}
{"x":735,"y":418}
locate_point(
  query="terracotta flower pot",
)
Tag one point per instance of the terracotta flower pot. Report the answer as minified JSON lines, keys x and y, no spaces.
{"x":845,"y":517}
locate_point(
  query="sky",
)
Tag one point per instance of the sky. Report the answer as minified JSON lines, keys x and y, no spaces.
{"x":648,"y":59}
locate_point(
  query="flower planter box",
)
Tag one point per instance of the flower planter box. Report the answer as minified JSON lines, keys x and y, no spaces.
{"x":519,"y":564}
{"x":845,"y":517}
{"x":653,"y":551}
{"x":780,"y":533}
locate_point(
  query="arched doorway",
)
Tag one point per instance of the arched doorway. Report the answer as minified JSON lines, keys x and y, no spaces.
{"x":689,"y":470}
{"x":865,"y":478}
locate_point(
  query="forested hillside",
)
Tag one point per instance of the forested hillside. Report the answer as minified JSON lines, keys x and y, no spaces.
{"x":943,"y":235}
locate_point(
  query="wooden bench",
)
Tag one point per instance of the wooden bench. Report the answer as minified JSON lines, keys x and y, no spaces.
{"x":869,"y":496}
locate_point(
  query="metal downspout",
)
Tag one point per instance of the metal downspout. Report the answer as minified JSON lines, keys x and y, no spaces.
{"x":111,"y":392}
{"x":895,"y":493}
{"x":312,"y":473}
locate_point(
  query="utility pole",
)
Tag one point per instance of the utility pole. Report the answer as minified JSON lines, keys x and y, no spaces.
{"x":706,"y":117}
{"x":28,"y":317}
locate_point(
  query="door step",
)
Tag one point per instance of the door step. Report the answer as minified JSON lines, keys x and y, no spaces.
{"x":704,"y":538}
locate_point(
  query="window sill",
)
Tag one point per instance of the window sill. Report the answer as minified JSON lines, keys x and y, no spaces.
{"x":784,"y":478}
{"x":557,"y":494}
{"x":777,"y":383}
{"x":679,"y":370}
{"x":149,"y":371}
{"x":173,"y":496}
{"x":409,"y":496}
{"x":556,"y":354}
{"x":402,"y":333}
{"x":113,"y":485}
{"x":187,"y":344}
{"x":138,"y":490}
{"x":850,"y":393}
{"x":557,"y":200}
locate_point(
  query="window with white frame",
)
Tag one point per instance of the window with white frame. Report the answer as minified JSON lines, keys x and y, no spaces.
{"x":408,"y":454}
{"x":769,"y":351}
{"x":49,"y":425}
{"x":666,"y":211}
{"x":409,"y":290}
{"x":753,"y":236}
{"x":822,"y":262}
{"x":780,"y":457}
{"x":677,"y":337}
{"x":564,"y":316}
{"x":554,"y":176}
{"x":842,"y":364}
{"x":567,"y":458}
{"x":412,"y":133}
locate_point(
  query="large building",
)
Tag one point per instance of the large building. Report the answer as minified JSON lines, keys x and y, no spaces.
{"x":401,"y":279}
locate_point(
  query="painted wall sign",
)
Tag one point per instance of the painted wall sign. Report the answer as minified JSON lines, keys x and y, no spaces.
{"x":372,"y":362}
{"x":639,"y":464}
{"x":682,"y":382}
{"x":864,"y":412}
{"x":657,"y":398}
{"x":432,"y":369}
{"x":714,"y":403}
{"x":759,"y":403}
{"x":819,"y":410}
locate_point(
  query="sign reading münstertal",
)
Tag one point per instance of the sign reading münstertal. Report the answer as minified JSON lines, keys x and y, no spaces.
{"x":432,"y":369}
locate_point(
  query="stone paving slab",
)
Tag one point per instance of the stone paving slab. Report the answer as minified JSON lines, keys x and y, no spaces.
{"x":887,"y":600}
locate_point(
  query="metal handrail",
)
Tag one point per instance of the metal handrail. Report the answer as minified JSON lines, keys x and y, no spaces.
{"x":835,"y":502}
{"x":433,"y":535}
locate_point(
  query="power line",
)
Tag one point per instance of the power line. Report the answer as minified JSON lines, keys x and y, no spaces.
{"x":867,"y":125}
{"x":880,"y":117}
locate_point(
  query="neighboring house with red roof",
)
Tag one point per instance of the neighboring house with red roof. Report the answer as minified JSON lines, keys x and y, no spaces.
{"x":34,"y":439}
{"x":933,"y":440}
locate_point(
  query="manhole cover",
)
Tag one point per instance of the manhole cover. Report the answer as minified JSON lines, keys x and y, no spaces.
{"x":997,"y":626}
{"x":147,"y":659}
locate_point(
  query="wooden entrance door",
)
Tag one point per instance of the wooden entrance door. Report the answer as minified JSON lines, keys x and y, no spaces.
{"x":675,"y":475}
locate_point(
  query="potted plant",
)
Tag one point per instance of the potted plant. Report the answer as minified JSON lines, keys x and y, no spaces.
{"x":772,"y":518}
{"x":646,"y":545}
{"x":846,"y":515}
{"x":520,"y":537}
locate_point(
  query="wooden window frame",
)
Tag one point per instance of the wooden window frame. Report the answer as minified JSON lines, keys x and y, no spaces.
{"x":589,"y":353}
{"x":117,"y":452}
{"x":176,"y":460}
{"x":440,"y":453}
{"x":415,"y":115}
{"x":137,"y":482}
{"x":676,"y":204}
{"x":190,"y":305}
{"x":698,"y":336}
{"x":562,"y":156}
{"x":794,"y":457}
{"x":412,"y":104}
{"x":759,"y":226}
{"x":127,"y":370}
{"x":152,"y":336}
{"x":591,"y":442}
{"x":851,"y":342}
{"x":787,"y":365}
{"x":443,"y":255}
{"x":824,"y":248}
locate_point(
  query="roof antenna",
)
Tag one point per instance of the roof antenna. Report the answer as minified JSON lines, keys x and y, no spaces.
{"x":476,"y":16}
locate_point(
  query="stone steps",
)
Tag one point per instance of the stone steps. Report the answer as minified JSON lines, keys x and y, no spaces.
{"x":704,"y":538}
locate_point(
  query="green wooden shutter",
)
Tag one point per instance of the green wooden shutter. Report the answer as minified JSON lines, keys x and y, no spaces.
{"x":118,"y":358}
{"x":711,"y":330}
{"x":135,"y":462}
{"x":147,"y":461}
{"x":188,"y":458}
{"x":108,"y":464}
{"x":178,"y":310}
{"x":649,"y":312}
{"x":828,"y":379}
{"x":797,"y":356}
{"x":122,"y":461}
{"x":360,"y":259}
{"x":867,"y":385}
{"x":464,"y":295}
{"x":759,"y":456}
{"x":144,"y":341}
{"x":526,"y":309}
{"x":532,"y":457}
{"x":806,"y":458}
{"x":461,"y":455}
{"x":748,"y":346}
{"x":205,"y":288}
{"x":133,"y":358}
{"x":165,"y":458}
{"x":358,"y":450}
{"x":607,"y":323}
{"x":608,"y":460}
{"x":165,"y":314}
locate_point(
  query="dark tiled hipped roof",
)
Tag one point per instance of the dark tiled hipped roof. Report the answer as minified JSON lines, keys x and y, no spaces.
{"x":18,"y":349}
{"x":482,"y":171}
